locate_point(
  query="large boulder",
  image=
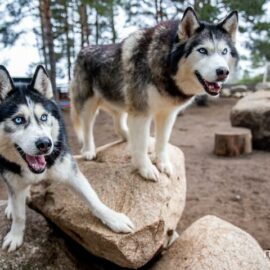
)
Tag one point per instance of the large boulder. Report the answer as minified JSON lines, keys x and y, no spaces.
{"x":253,"y":112}
{"x":211,"y":243}
{"x":155,"y":207}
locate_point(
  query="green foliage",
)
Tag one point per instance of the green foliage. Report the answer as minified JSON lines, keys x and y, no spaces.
{"x":101,"y":16}
{"x":206,"y":10}
{"x":250,"y":9}
{"x":251,"y":80}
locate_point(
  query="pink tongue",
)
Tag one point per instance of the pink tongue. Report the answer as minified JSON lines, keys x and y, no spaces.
{"x":213,"y":86}
{"x":216,"y":86}
{"x":38,"y":163}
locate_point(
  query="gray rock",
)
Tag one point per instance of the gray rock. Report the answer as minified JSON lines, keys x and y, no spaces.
{"x":237,"y":91}
{"x":253,"y":112}
{"x":239,"y":88}
{"x":263,"y":86}
{"x":211,"y":243}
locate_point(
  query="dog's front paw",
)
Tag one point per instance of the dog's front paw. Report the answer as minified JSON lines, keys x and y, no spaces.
{"x":149,"y":172}
{"x":89,"y":155}
{"x":165,"y":166}
{"x":12,"y":241}
{"x":8,"y":212}
{"x":118,"y":222}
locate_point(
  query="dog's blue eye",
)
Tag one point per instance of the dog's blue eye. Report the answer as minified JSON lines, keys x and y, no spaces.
{"x":44,"y":117}
{"x":19,"y":120}
{"x":225,"y":51}
{"x":202,"y":51}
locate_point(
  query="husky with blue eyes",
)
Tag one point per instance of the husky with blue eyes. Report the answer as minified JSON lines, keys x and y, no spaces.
{"x":33,"y":147}
{"x":151,"y":75}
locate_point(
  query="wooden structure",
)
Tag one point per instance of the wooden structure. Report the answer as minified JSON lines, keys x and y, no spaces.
{"x":233,"y":141}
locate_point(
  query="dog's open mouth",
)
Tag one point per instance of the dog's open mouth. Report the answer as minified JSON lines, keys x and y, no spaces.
{"x":212,"y":88}
{"x":37,"y":164}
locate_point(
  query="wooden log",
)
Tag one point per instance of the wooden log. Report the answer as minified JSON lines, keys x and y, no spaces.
{"x":233,"y":142}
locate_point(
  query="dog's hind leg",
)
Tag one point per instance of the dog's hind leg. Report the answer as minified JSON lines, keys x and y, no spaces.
{"x":164,"y":122}
{"x":120,"y":125}
{"x":139,"y":129}
{"x":88,"y":116}
{"x":14,"y":238}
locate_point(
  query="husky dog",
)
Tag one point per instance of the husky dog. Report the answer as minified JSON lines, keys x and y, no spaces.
{"x":152,"y":74}
{"x":33,"y":147}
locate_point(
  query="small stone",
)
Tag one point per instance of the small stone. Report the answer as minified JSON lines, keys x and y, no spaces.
{"x":238,"y":197}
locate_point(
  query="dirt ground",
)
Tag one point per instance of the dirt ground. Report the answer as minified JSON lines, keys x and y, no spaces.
{"x":235,"y":189}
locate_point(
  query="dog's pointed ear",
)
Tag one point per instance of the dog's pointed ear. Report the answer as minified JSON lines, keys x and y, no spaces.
{"x":230,"y":24}
{"x":6,"y":83}
{"x":188,"y":24}
{"x":41,"y":82}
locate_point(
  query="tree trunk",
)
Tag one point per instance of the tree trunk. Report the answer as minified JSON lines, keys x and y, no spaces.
{"x":84,"y":25}
{"x":43,"y":39}
{"x":97,"y":28}
{"x":233,"y":142}
{"x":45,"y":9}
{"x":73,"y":27}
{"x":67,"y":29}
{"x":266,"y":75}
{"x":157,"y":11}
{"x":160,"y":10}
{"x":112,"y":23}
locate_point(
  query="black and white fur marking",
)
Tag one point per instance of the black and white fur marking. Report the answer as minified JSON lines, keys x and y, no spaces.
{"x":151,"y":75}
{"x":33,"y":147}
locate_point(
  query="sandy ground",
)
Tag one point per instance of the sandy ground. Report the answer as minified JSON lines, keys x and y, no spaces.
{"x":235,"y":189}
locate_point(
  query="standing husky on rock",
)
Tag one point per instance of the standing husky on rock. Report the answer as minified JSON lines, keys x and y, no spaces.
{"x":33,"y":147}
{"x":151,"y":74}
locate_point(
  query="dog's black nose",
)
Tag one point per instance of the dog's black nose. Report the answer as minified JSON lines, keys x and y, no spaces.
{"x":43,"y":144}
{"x":222,"y":73}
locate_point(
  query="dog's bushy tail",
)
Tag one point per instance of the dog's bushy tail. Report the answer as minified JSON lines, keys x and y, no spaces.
{"x":74,"y":111}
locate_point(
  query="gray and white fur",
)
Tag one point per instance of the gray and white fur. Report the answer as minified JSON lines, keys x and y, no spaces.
{"x":149,"y":76}
{"x":33,"y":147}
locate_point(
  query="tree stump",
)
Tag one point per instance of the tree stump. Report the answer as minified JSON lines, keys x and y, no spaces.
{"x":233,"y":142}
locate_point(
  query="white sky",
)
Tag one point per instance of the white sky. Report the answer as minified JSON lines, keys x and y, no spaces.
{"x":18,"y":58}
